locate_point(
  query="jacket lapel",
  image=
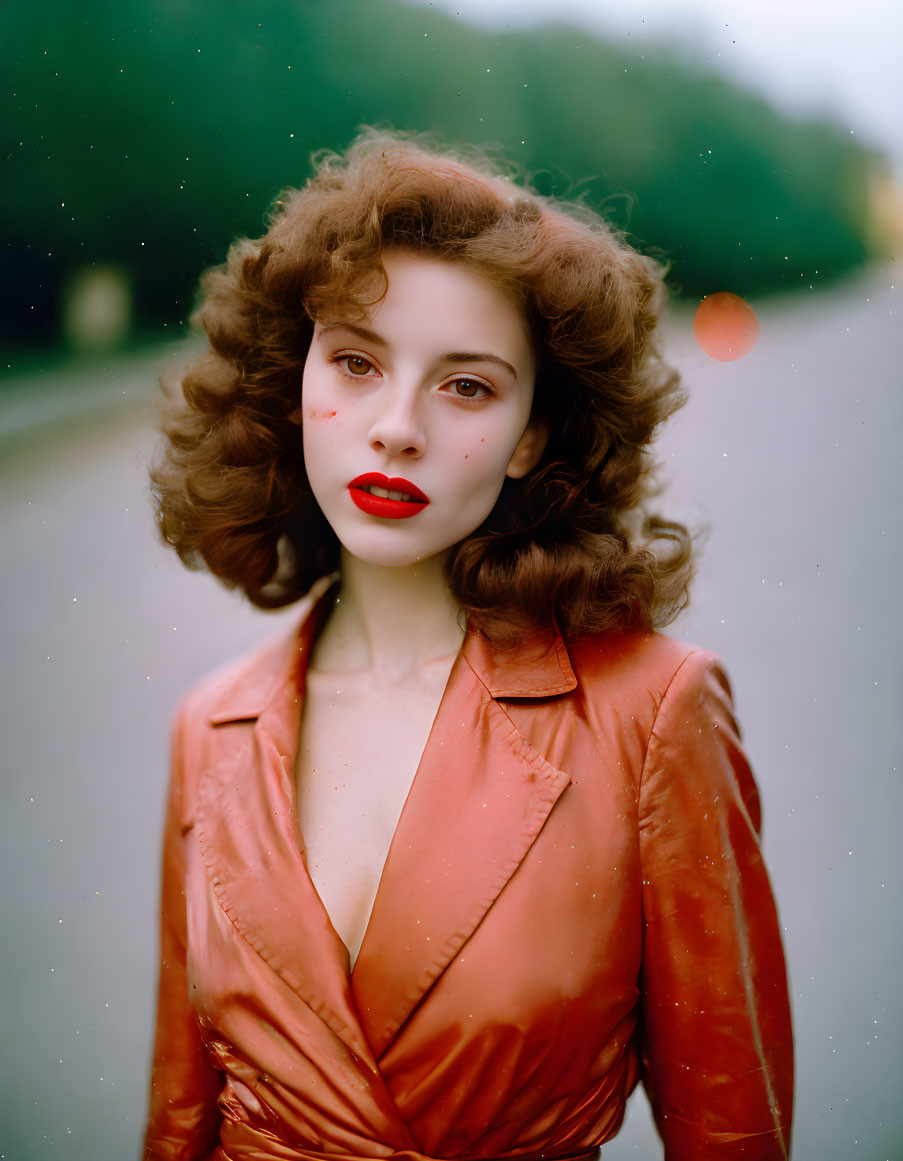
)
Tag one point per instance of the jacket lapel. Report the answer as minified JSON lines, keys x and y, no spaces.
{"x":480,"y":797}
{"x":251,"y":841}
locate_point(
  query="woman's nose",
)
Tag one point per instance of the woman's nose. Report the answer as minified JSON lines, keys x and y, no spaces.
{"x":398,"y":428}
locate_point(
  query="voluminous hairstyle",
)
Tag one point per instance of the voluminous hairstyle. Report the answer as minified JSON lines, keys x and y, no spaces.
{"x":573,"y":540}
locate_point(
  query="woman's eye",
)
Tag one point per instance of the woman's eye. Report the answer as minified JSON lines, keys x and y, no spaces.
{"x":469,"y":388}
{"x":356,"y":365}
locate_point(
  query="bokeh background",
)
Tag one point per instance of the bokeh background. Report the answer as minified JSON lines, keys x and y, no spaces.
{"x":753,"y":147}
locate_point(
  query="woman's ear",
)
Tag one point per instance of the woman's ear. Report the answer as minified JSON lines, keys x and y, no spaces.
{"x":529,"y":448}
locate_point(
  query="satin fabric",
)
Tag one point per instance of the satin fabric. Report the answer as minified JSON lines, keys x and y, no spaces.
{"x":574,"y":900}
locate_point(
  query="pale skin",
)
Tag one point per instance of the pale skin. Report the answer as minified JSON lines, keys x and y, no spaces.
{"x":436,"y":387}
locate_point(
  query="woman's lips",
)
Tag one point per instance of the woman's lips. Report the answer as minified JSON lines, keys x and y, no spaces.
{"x":388,"y":506}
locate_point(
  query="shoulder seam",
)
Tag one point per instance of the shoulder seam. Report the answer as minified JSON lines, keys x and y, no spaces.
{"x":667,"y":690}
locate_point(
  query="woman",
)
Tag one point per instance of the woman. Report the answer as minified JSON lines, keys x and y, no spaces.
{"x":453,"y":865}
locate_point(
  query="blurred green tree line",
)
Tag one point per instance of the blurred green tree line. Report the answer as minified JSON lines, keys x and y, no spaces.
{"x":148,"y":133}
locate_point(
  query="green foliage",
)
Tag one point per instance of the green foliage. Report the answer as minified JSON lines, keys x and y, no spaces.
{"x":151,"y":132}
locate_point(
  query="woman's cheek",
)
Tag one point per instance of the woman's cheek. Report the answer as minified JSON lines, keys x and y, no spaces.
{"x":472,"y":451}
{"x":484,"y":458}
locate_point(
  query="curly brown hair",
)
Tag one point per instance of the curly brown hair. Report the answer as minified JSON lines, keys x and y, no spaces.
{"x":573,"y":540}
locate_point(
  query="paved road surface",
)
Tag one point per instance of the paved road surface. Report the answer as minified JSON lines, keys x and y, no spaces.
{"x":792,"y":454}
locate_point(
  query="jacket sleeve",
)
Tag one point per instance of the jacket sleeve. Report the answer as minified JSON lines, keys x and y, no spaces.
{"x":183,"y":1120}
{"x":717,"y":1048}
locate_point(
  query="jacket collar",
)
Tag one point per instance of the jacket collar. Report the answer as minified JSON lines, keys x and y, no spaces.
{"x":537,"y":667}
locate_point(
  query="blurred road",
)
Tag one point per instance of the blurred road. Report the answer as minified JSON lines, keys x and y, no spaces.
{"x":793,"y":455}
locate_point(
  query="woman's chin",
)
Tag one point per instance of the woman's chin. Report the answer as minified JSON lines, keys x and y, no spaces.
{"x":389,"y":556}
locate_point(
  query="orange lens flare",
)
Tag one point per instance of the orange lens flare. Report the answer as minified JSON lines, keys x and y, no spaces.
{"x":725,"y":326}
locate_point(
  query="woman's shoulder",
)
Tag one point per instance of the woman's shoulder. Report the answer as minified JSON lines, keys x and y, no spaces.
{"x":663,"y":685}
{"x":678,"y":701}
{"x":648,"y":661}
{"x":241,"y":688}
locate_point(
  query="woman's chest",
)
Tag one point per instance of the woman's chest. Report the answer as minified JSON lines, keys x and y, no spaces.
{"x":359,"y":749}
{"x":515,"y":866}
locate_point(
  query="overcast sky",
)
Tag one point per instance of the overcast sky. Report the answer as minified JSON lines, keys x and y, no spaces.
{"x":839,"y":56}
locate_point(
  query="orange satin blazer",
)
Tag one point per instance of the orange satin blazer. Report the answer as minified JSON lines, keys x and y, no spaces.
{"x":574,"y":900}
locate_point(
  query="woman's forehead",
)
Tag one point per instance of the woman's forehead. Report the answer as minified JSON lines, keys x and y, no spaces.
{"x":418,"y":283}
{"x":440,"y":308}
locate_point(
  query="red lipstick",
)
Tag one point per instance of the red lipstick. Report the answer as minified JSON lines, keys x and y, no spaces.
{"x":384,"y":505}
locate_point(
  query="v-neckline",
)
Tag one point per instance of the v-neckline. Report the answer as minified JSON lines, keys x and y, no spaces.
{"x":403,"y":817}
{"x":316,"y":620}
{"x":479,"y":797}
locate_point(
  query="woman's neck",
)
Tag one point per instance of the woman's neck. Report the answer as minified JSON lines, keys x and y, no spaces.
{"x":389,"y":622}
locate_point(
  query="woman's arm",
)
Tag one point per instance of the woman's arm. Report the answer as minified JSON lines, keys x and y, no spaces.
{"x":183,"y":1119}
{"x":717,"y":1037}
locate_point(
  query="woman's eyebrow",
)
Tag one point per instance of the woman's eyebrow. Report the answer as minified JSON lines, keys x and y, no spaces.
{"x":452,"y":357}
{"x":361,"y":332}
{"x":478,"y":357}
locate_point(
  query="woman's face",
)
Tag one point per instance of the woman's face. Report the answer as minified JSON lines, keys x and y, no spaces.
{"x":429,"y":401}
